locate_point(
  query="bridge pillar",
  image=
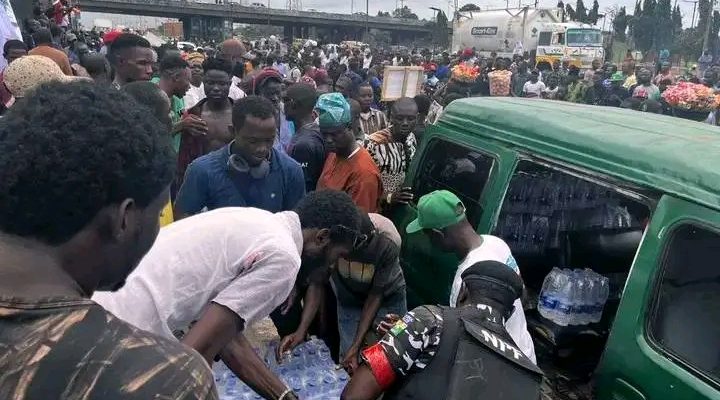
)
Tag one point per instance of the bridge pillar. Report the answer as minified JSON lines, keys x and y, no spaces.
{"x":395,"y":37}
{"x":312,"y":33}
{"x":288,"y":32}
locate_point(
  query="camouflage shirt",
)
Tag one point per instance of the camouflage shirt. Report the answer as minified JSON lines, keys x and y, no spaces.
{"x":73,"y":349}
{"x":413,"y":341}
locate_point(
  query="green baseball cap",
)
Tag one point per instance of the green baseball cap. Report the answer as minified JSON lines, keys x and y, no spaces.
{"x":437,"y":210}
{"x":617,"y":77}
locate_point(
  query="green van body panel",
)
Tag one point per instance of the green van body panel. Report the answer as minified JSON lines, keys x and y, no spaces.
{"x":676,"y":160}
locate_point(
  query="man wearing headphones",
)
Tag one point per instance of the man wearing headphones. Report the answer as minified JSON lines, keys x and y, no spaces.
{"x":248,"y":172}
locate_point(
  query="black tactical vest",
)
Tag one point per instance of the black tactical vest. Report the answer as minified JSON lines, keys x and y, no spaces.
{"x":476,"y":359}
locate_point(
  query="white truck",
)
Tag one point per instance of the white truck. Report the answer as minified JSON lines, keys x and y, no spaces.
{"x":509,"y":31}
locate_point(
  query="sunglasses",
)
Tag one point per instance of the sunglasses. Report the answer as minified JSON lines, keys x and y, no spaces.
{"x":359,"y":239}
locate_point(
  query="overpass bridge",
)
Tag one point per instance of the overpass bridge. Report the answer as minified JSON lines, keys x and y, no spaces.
{"x":211,"y":20}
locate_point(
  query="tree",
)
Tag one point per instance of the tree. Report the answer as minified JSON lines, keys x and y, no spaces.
{"x":469,"y":7}
{"x":440,"y":32}
{"x":644,"y":26}
{"x":634,"y":19}
{"x":383,"y":14}
{"x":663,"y":25}
{"x":676,"y":21}
{"x":404,"y":13}
{"x":620,"y":24}
{"x":714,"y":30}
{"x":569,"y":12}
{"x":704,"y":8}
{"x":594,"y":13}
{"x":580,"y":12}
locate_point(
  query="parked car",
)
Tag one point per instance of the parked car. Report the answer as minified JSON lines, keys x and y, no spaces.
{"x":257,"y":5}
{"x":633,"y":196}
{"x":183,"y":45}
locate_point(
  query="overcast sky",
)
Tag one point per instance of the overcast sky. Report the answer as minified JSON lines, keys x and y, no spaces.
{"x":420,"y":7}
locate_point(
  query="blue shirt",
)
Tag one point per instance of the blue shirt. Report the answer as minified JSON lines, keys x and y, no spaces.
{"x":210,"y":183}
{"x":442,"y":72}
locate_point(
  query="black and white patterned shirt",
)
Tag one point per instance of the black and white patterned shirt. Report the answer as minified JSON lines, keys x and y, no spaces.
{"x":393,"y":159}
{"x":372,"y":121}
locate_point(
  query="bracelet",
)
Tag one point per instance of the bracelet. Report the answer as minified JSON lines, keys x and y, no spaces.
{"x":285,"y":393}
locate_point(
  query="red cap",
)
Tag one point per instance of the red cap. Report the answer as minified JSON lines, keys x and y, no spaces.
{"x":110,"y":37}
{"x":467,"y":52}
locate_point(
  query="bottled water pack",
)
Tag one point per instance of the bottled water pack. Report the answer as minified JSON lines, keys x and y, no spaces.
{"x":309,"y":371}
{"x":573,"y":297}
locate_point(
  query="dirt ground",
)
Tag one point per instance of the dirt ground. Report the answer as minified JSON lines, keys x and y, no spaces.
{"x":261,"y":332}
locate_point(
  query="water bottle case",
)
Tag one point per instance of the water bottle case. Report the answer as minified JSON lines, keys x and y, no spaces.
{"x":309,"y":371}
{"x":573,"y":297}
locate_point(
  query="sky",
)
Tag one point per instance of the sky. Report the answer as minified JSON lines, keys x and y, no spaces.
{"x":420,"y":7}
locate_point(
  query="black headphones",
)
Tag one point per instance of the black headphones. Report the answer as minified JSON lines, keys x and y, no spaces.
{"x":237,"y":164}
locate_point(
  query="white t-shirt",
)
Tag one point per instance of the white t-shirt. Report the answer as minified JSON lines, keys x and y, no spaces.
{"x":495,"y":249}
{"x":194,"y":95}
{"x":367,"y":61}
{"x":533,"y":89}
{"x":245,"y":259}
{"x":235,"y":92}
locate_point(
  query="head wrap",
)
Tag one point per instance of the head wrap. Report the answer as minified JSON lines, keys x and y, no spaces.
{"x":333,"y":111}
{"x":263,"y":77}
{"x":195,"y":57}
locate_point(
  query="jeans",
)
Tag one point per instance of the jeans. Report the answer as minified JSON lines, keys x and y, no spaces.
{"x":349,"y":318}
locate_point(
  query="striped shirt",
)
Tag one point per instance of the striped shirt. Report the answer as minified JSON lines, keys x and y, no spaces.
{"x":392,"y":158}
{"x":372,"y":121}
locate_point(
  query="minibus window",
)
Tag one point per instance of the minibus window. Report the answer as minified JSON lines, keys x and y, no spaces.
{"x":459,"y":169}
{"x":685,"y":321}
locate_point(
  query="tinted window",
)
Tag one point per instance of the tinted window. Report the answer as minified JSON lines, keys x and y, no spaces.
{"x":544,"y":38}
{"x":552,"y":218}
{"x":456,"y":168}
{"x":685,"y":320}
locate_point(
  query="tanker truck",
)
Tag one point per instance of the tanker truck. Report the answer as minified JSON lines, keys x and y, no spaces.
{"x":508,"y":31}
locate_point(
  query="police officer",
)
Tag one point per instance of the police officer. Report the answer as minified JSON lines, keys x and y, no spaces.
{"x":436,"y":352}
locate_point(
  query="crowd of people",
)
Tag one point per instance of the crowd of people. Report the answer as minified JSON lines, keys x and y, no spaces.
{"x":272,"y":170}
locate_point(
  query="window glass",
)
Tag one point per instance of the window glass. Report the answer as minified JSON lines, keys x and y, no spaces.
{"x":685,"y":320}
{"x":551,"y":218}
{"x":584,"y":37}
{"x":544,"y":38}
{"x":459,"y":169}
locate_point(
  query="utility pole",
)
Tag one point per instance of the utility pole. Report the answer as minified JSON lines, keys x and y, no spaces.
{"x":367,"y":20}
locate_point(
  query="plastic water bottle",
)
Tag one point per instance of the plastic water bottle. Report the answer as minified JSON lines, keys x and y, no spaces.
{"x":548,"y":302}
{"x":565,"y":305}
{"x":314,"y":384}
{"x":588,"y":301}
{"x":603,"y":292}
{"x":324,"y":357}
{"x":591,"y":282}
